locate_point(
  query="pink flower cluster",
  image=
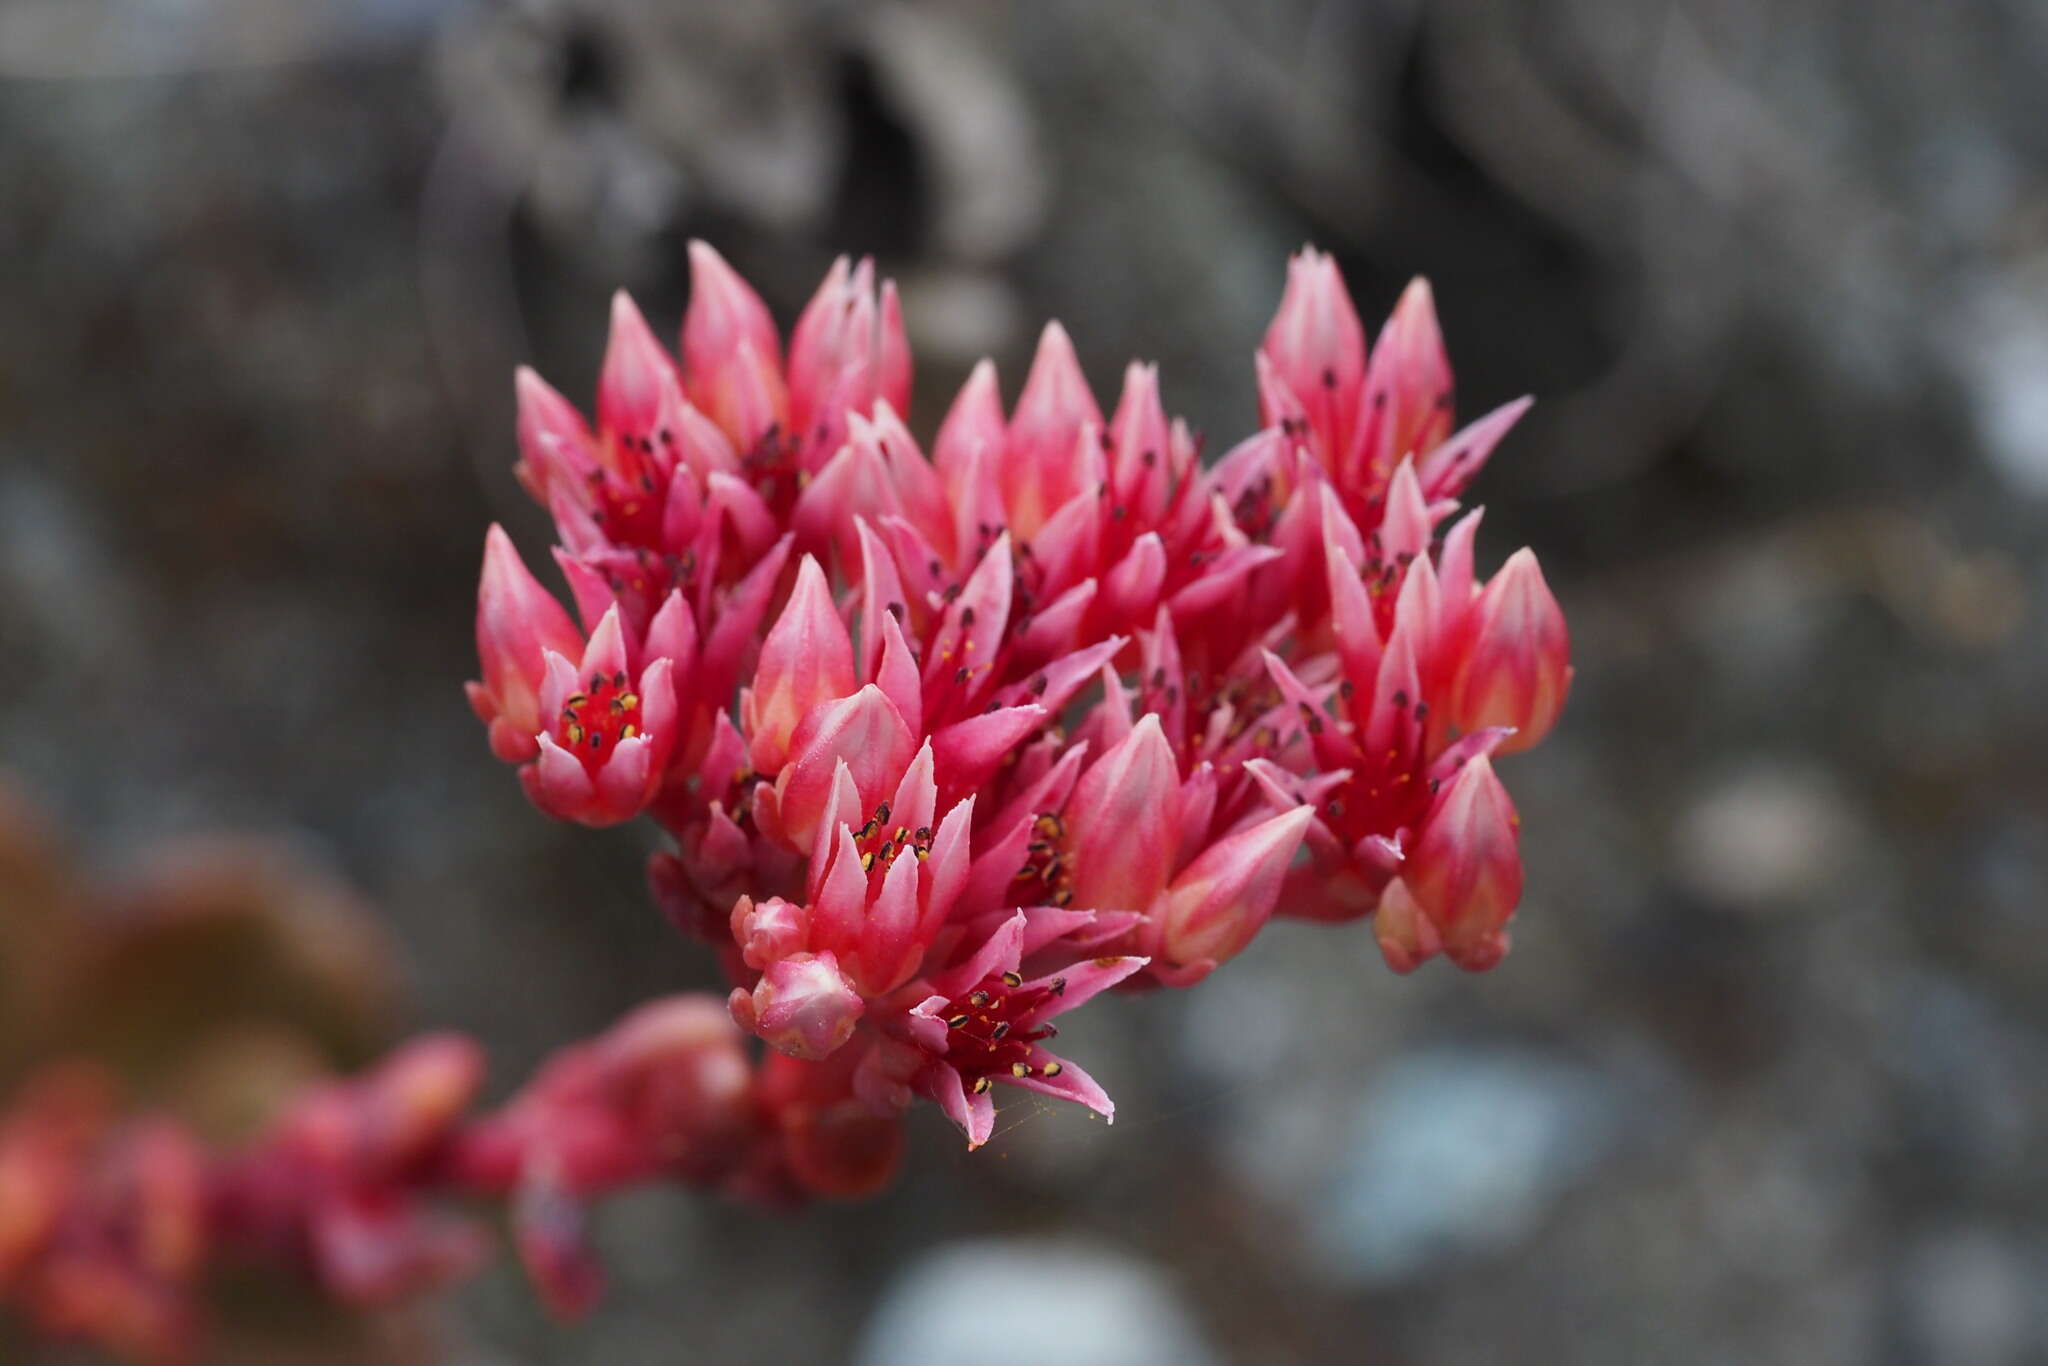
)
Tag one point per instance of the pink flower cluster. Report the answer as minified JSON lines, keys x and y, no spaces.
{"x":947,"y":744}
{"x":950,"y":741}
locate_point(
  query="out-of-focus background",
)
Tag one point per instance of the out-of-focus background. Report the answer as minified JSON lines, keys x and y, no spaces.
{"x":1764,"y":1078}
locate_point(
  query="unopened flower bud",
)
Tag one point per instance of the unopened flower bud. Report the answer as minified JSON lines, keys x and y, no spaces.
{"x":803,"y":1006}
{"x":731,"y":355}
{"x":1041,"y":471}
{"x":768,"y":930}
{"x":517,"y":623}
{"x":1315,"y":347}
{"x":1122,"y":822}
{"x":1516,"y":667}
{"x":807,"y":659}
{"x":1226,"y":896}
{"x":1465,"y":871}
{"x":1407,"y":937}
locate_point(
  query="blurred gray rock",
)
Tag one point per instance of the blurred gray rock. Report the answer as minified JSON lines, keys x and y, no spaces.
{"x":1973,"y":1296}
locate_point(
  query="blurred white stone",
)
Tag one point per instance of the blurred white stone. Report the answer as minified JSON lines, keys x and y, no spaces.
{"x":1764,"y":839}
{"x":1023,"y":1302}
{"x":1459,"y":1152}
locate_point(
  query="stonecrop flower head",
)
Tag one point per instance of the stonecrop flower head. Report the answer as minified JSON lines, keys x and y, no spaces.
{"x":949,"y":742}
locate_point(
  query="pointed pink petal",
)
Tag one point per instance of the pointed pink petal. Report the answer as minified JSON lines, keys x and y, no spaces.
{"x":969,"y":752}
{"x":1222,"y":578}
{"x":1131,"y":589}
{"x":806,"y":660}
{"x":724,"y":311}
{"x":852,"y":483}
{"x":1068,"y":1082}
{"x":625,"y":780}
{"x":867,"y":732}
{"x":916,"y":486}
{"x":839,"y":907}
{"x":893,"y":365}
{"x":554,"y":441}
{"x":1142,"y":446}
{"x":1454,"y":567}
{"x":1517,"y":665}
{"x":606,"y":652}
{"x":1466,"y":870}
{"x":881,"y":589}
{"x":842,"y":810}
{"x":1405,"y":533}
{"x":629,"y":388}
{"x":891,"y":950}
{"x":1406,"y":935}
{"x":588,"y":587}
{"x":1083,"y":981}
{"x":946,"y":868}
{"x":557,"y":783}
{"x":972,"y":628}
{"x":738,"y":618}
{"x":1447,"y":469}
{"x":819,"y":344}
{"x":1408,"y":386}
{"x":1067,"y":545}
{"x":745,"y":511}
{"x":897,"y":676}
{"x":658,"y":710}
{"x":1316,"y":348}
{"x":673,"y":633}
{"x":1120,"y":822}
{"x":1352,"y":620}
{"x":1048,"y":793}
{"x":1055,"y":684}
{"x":1226,"y":896}
{"x":1038,"y":475}
{"x":517,"y":623}
{"x":1057,"y":627}
{"x":974,"y":1114}
{"x":1000,"y":952}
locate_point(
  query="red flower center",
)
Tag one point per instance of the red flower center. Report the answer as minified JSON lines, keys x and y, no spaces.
{"x":629,"y":490}
{"x":881,"y":843}
{"x":594,"y":721}
{"x":990,"y":1030}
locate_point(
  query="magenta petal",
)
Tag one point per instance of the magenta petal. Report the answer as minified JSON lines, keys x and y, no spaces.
{"x":673,"y":634}
{"x":1226,"y":895}
{"x":1451,"y":466}
{"x":806,"y":660}
{"x":839,"y":905}
{"x":625,"y":781}
{"x":557,"y":783}
{"x":1054,"y":630}
{"x":969,"y":751}
{"x":1070,"y":1082}
{"x":947,"y":866}
{"x":1122,"y":822}
{"x":1000,"y":952}
{"x":606,"y":652}
{"x":629,"y":389}
{"x":1084,"y":981}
